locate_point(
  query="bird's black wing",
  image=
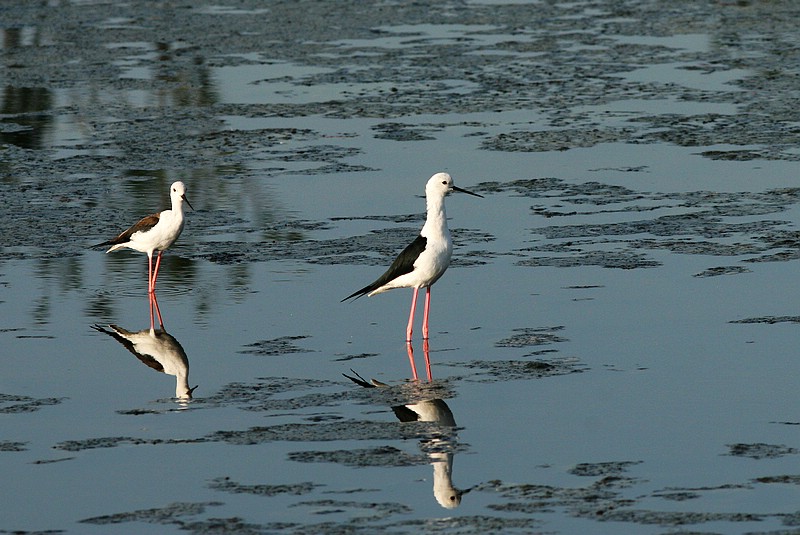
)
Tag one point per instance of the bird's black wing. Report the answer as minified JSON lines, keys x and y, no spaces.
{"x":360,"y":381}
{"x":404,"y":263}
{"x":404,"y":414}
{"x":144,"y":224}
{"x":127,"y":344}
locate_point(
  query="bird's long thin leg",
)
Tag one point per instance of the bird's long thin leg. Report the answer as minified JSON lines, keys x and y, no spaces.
{"x":150,"y":308}
{"x":410,"y":327}
{"x":427,"y":311}
{"x":155,"y":272}
{"x":158,"y":311}
{"x":149,"y":273}
{"x":426,"y":352}
{"x":410,"y":351}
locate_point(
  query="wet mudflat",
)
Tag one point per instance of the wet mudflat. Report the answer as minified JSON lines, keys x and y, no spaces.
{"x":613,"y":347}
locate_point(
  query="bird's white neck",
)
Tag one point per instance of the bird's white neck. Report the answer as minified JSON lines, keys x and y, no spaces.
{"x":182,"y":390}
{"x":177,"y":205}
{"x":436,"y":219}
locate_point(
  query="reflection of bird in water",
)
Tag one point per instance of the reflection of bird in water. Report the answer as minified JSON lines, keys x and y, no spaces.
{"x":425,"y":259}
{"x":439,"y":449}
{"x":159,"y":350}
{"x":155,"y":232}
{"x":426,"y":353}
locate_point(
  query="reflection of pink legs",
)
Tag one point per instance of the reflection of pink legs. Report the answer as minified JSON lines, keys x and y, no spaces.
{"x":154,"y":305}
{"x":152,"y":320}
{"x":410,"y":351}
{"x":152,"y":275}
{"x":426,"y":352}
{"x":410,"y":327}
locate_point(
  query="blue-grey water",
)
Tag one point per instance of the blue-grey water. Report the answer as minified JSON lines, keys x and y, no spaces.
{"x":613,"y":345}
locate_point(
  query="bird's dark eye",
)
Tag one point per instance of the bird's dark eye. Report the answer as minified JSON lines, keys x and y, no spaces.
{"x":444,"y":182}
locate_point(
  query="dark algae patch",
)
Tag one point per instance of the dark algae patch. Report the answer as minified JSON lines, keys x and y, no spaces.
{"x":12,"y":404}
{"x":226,"y":484}
{"x":284,"y":345}
{"x":562,"y":72}
{"x":761,"y":451}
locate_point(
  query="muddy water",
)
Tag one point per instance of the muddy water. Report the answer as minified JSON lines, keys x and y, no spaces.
{"x":613,"y":348}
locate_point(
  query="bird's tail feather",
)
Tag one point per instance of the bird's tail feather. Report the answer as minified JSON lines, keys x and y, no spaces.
{"x":360,"y":293}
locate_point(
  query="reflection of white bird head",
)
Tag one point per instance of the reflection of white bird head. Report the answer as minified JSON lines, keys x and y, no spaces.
{"x":436,"y":411}
{"x":439,"y":449}
{"x":157,"y":349}
{"x":445,"y":493}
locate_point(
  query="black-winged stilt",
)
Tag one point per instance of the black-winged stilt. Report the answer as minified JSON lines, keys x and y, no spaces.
{"x":155,"y":232}
{"x":425,"y":259}
{"x":158,"y":350}
{"x":440,"y":447}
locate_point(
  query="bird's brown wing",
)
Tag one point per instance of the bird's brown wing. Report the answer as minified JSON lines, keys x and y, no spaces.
{"x":143,"y":225}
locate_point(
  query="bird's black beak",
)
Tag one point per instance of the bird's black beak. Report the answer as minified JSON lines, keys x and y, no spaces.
{"x":192,"y":207}
{"x":456,"y":188}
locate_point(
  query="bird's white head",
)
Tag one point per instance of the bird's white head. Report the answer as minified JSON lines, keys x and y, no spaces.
{"x":177,"y":193}
{"x":441,"y":184}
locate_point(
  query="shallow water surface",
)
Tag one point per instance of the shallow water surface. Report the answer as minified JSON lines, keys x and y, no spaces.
{"x":611,"y":348}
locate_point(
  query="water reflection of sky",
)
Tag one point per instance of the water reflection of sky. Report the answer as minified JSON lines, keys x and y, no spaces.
{"x":641,"y":367}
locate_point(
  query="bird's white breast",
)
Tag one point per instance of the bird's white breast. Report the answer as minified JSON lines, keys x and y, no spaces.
{"x":433,"y":261}
{"x":164,"y":234}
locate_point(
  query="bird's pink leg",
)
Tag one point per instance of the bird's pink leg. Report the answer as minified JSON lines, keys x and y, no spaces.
{"x":150,"y":308}
{"x":410,"y":327}
{"x":410,"y":351}
{"x":155,"y":272}
{"x":427,"y":310}
{"x":158,"y":312}
{"x":149,"y":273}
